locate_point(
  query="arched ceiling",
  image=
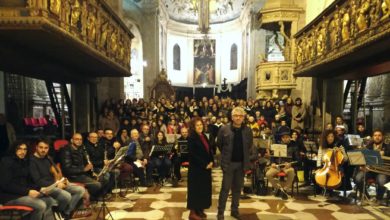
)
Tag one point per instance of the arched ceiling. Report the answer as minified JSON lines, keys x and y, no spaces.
{"x":187,"y":11}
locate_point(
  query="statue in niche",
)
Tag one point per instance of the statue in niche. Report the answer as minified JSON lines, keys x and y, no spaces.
{"x":104,"y":33}
{"x":362,"y":18}
{"x":321,"y":33}
{"x":76,"y":12}
{"x":385,"y":9}
{"x":162,"y":76}
{"x":304,"y":49}
{"x":113,"y":42}
{"x":84,"y":18}
{"x":299,"y":53}
{"x":65,"y":12}
{"x":334,"y":26}
{"x":91,"y":25}
{"x":353,"y":18}
{"x":287,"y":42}
{"x":375,"y":11}
{"x":55,"y":6}
{"x":345,"y":24}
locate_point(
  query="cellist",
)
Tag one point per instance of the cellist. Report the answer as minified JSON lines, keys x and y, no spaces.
{"x":328,"y":143}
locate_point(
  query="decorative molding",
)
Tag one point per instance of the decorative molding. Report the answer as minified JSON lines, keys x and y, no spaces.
{"x":93,"y":24}
{"x":342,"y":29}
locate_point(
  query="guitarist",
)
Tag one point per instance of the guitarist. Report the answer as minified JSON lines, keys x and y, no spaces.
{"x":46,"y":174}
{"x":281,"y":187}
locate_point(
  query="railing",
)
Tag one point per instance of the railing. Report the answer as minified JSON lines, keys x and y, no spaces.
{"x":90,"y":22}
{"x":341,"y":29}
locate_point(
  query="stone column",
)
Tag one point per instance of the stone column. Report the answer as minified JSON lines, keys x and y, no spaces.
{"x":2,"y":92}
{"x":335,"y":97}
{"x":150,"y":39}
{"x":81,"y":101}
{"x":386,"y":102}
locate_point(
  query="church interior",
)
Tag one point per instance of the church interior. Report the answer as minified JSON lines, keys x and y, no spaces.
{"x":108,"y":94}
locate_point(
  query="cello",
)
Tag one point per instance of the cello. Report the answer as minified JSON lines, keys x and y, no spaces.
{"x":330,"y":176}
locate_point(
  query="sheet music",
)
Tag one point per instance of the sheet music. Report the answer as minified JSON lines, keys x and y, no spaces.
{"x":356,"y":158}
{"x":138,"y":163}
{"x":387,"y":185}
{"x":280,"y":150}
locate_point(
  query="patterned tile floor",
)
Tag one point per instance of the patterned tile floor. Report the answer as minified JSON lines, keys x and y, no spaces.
{"x":170,"y":203}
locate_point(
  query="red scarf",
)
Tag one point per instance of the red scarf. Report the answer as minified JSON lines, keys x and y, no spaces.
{"x":204,"y":141}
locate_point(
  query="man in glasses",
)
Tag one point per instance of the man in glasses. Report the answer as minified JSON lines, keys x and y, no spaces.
{"x":235,"y":142}
{"x":16,"y":189}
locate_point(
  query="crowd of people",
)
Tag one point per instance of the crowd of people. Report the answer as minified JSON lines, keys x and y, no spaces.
{"x":237,"y":134}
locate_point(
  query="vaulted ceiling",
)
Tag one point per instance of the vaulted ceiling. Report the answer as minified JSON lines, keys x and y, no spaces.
{"x":187,"y":11}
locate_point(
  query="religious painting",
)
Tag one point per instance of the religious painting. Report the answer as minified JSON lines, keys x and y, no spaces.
{"x":204,"y":62}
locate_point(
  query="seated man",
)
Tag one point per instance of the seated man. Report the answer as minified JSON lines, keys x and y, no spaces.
{"x":381,"y":179}
{"x":77,"y":167}
{"x":279,"y":186}
{"x":66,"y":194}
{"x":179,"y":157}
{"x":16,"y":189}
{"x":98,"y":155}
{"x":136,"y":157}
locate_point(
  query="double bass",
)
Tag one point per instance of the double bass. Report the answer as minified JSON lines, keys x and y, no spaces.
{"x":330,"y":176}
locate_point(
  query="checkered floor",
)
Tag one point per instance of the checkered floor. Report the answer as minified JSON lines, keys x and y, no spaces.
{"x":170,"y":203}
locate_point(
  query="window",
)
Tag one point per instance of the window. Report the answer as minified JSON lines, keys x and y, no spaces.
{"x":233,"y":57}
{"x":176,"y":57}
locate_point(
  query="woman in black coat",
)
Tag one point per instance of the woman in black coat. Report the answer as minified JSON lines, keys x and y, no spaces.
{"x":199,"y":171}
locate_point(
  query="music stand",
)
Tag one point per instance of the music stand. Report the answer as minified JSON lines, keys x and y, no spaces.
{"x":183,"y":150}
{"x":364,"y":158}
{"x":280,"y":150}
{"x":311,"y":147}
{"x":158,"y":150}
{"x":354,"y":140}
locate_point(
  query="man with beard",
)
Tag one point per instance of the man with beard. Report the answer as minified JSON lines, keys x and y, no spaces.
{"x":76,"y":165}
{"x":293,"y":152}
{"x":65,"y":193}
{"x":15,"y":187}
{"x":377,"y":144}
{"x":108,"y":143}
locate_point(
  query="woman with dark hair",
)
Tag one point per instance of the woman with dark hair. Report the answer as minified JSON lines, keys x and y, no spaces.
{"x":161,"y":162}
{"x":199,"y":171}
{"x":269,"y":112}
{"x":328,"y":142}
{"x":16,"y":187}
{"x":123,"y":137}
